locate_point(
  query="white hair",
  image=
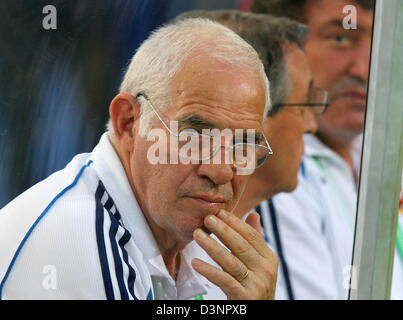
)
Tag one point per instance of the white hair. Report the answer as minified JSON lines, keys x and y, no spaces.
{"x":166,"y":51}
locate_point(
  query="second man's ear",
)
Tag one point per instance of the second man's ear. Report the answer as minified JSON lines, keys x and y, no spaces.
{"x":124,"y":111}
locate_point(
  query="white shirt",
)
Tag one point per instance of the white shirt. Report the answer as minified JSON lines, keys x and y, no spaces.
{"x":213,"y":292}
{"x":80,"y":234}
{"x":315,"y":226}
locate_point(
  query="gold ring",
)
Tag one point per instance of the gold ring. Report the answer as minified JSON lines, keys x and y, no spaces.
{"x":244,"y":276}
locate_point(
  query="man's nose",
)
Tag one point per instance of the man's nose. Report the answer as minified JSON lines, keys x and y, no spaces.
{"x":311,"y":125}
{"x":359,"y":66}
{"x":218,"y":173}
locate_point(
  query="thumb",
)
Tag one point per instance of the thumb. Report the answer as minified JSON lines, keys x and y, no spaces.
{"x":253,"y":220}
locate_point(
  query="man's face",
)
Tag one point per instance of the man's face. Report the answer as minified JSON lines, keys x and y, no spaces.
{"x":176,"y":197}
{"x":339,"y":60}
{"x":286,"y":128}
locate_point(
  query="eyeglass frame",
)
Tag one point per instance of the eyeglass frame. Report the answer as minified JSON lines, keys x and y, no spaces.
{"x":269,"y":150}
{"x":324,"y":104}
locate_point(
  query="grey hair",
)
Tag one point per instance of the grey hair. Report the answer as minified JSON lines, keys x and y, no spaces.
{"x":269,"y":36}
{"x":169,"y":48}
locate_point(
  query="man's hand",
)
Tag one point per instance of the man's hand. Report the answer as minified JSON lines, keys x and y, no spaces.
{"x":249,"y":269}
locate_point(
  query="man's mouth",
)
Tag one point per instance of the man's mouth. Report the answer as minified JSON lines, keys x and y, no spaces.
{"x":358,"y":96}
{"x":209,"y":202}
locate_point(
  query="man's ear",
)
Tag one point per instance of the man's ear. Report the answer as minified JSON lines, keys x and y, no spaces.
{"x":124,"y":111}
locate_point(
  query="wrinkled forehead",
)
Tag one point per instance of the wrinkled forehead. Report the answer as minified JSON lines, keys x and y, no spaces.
{"x":217,"y":84}
{"x":323,"y":13}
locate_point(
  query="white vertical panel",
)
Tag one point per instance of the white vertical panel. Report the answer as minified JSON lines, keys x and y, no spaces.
{"x":375,"y":236}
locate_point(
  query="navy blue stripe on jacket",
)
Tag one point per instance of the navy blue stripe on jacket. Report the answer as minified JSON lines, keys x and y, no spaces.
{"x":119,"y":252}
{"x":282,"y":259}
{"x":99,"y":228}
{"x":271,"y":217}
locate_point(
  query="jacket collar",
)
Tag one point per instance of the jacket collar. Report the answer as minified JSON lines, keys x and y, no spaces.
{"x":314,"y":147}
{"x":111,"y":172}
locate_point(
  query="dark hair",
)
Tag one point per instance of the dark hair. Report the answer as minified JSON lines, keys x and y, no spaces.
{"x":294,"y":9}
{"x":269,"y":36}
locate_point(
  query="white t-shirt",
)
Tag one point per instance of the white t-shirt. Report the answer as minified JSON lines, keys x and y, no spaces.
{"x":80,"y":234}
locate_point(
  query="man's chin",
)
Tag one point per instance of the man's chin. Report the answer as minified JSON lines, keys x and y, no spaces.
{"x":187,"y":230}
{"x":354,"y":125}
{"x":291,"y":186}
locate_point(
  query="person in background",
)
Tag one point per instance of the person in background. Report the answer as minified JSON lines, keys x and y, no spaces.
{"x":314,"y":225}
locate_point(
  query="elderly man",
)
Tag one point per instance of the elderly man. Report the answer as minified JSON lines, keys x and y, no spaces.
{"x":295,"y":100}
{"x":315,"y":224}
{"x":113,"y":225}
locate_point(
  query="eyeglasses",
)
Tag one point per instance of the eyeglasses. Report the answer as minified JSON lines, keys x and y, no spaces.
{"x":318,"y":101}
{"x":198,"y":147}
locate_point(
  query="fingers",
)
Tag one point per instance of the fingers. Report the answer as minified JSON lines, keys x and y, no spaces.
{"x":220,"y":278}
{"x":253,"y":220}
{"x":228,"y":261}
{"x":233,"y":241}
{"x":249,"y":267}
{"x":247,"y":232}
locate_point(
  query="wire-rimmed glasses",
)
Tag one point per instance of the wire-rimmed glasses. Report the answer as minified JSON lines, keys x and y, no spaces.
{"x":197,"y":147}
